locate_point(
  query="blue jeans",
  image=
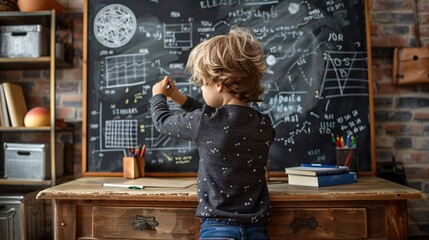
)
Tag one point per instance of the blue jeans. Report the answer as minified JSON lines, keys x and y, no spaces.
{"x":224,"y":230}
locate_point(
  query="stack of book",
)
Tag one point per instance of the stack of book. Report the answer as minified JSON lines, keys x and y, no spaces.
{"x":316,"y":175}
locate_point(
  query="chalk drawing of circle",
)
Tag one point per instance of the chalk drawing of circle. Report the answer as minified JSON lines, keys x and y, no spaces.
{"x":270,"y":60}
{"x":114,"y":25}
{"x":293,"y":8}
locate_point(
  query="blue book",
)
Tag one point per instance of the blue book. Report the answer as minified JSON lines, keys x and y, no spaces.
{"x":316,"y":171}
{"x":323,"y":180}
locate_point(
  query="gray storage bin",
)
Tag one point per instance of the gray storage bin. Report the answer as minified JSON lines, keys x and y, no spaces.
{"x":31,"y":161}
{"x":21,"y":41}
{"x":21,"y":216}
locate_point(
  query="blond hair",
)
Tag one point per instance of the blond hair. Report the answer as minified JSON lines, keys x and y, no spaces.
{"x":235,"y":59}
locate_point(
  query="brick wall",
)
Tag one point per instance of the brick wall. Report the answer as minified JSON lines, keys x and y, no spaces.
{"x":70,"y":81}
{"x":401,"y":112}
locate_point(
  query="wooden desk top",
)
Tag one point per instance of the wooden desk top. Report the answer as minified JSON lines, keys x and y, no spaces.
{"x":90,"y":188}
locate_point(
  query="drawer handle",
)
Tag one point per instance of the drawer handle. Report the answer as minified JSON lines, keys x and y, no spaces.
{"x":299,"y":223}
{"x":142,"y":222}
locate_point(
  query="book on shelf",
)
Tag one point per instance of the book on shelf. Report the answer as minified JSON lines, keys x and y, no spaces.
{"x":316,"y":171}
{"x":4,"y":113}
{"x":323,"y":180}
{"x":15,"y":102}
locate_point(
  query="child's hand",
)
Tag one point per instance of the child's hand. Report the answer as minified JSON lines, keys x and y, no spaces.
{"x":163,"y":87}
{"x":167,"y":87}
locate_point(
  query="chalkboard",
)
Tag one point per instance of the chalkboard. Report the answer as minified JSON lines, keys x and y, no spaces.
{"x":317,"y":83}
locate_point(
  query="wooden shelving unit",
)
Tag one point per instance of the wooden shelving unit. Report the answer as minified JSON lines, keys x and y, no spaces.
{"x":52,"y":22}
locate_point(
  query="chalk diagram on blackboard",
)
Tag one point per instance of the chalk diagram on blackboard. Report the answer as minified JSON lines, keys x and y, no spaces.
{"x":178,"y":35}
{"x":114,"y":25}
{"x":125,"y":70}
{"x":118,"y":133}
{"x":121,"y":133}
{"x":344,"y":76}
{"x":285,"y":107}
{"x":344,"y":73}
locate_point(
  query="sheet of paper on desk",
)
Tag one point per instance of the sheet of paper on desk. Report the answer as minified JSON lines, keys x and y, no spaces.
{"x":161,"y":182}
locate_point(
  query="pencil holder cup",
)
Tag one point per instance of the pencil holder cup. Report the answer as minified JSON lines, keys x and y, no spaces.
{"x":133,"y":167}
{"x":348,"y":157}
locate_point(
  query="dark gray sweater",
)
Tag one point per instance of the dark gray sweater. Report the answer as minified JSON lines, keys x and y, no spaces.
{"x":233,"y":143}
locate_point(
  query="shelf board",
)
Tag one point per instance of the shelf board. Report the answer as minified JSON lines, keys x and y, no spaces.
{"x":35,"y":129}
{"x":28,"y":182}
{"x":25,"y":129}
{"x":25,"y":18}
{"x":24,"y":63}
{"x":25,"y":182}
{"x":35,"y":63}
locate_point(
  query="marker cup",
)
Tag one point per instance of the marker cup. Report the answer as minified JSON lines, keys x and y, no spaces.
{"x":348,"y":157}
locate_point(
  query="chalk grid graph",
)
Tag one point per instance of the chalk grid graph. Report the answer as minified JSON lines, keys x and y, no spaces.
{"x":121,"y":134}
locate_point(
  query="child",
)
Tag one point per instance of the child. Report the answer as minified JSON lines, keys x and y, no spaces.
{"x":233,"y":139}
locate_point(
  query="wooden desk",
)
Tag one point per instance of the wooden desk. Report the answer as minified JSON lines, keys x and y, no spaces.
{"x":373,"y":208}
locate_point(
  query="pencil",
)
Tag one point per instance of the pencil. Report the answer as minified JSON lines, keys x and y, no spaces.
{"x":348,"y":158}
{"x":142,"y":151}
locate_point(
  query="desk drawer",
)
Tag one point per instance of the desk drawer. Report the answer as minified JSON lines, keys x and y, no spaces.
{"x":144,"y":223}
{"x":319,"y":223}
